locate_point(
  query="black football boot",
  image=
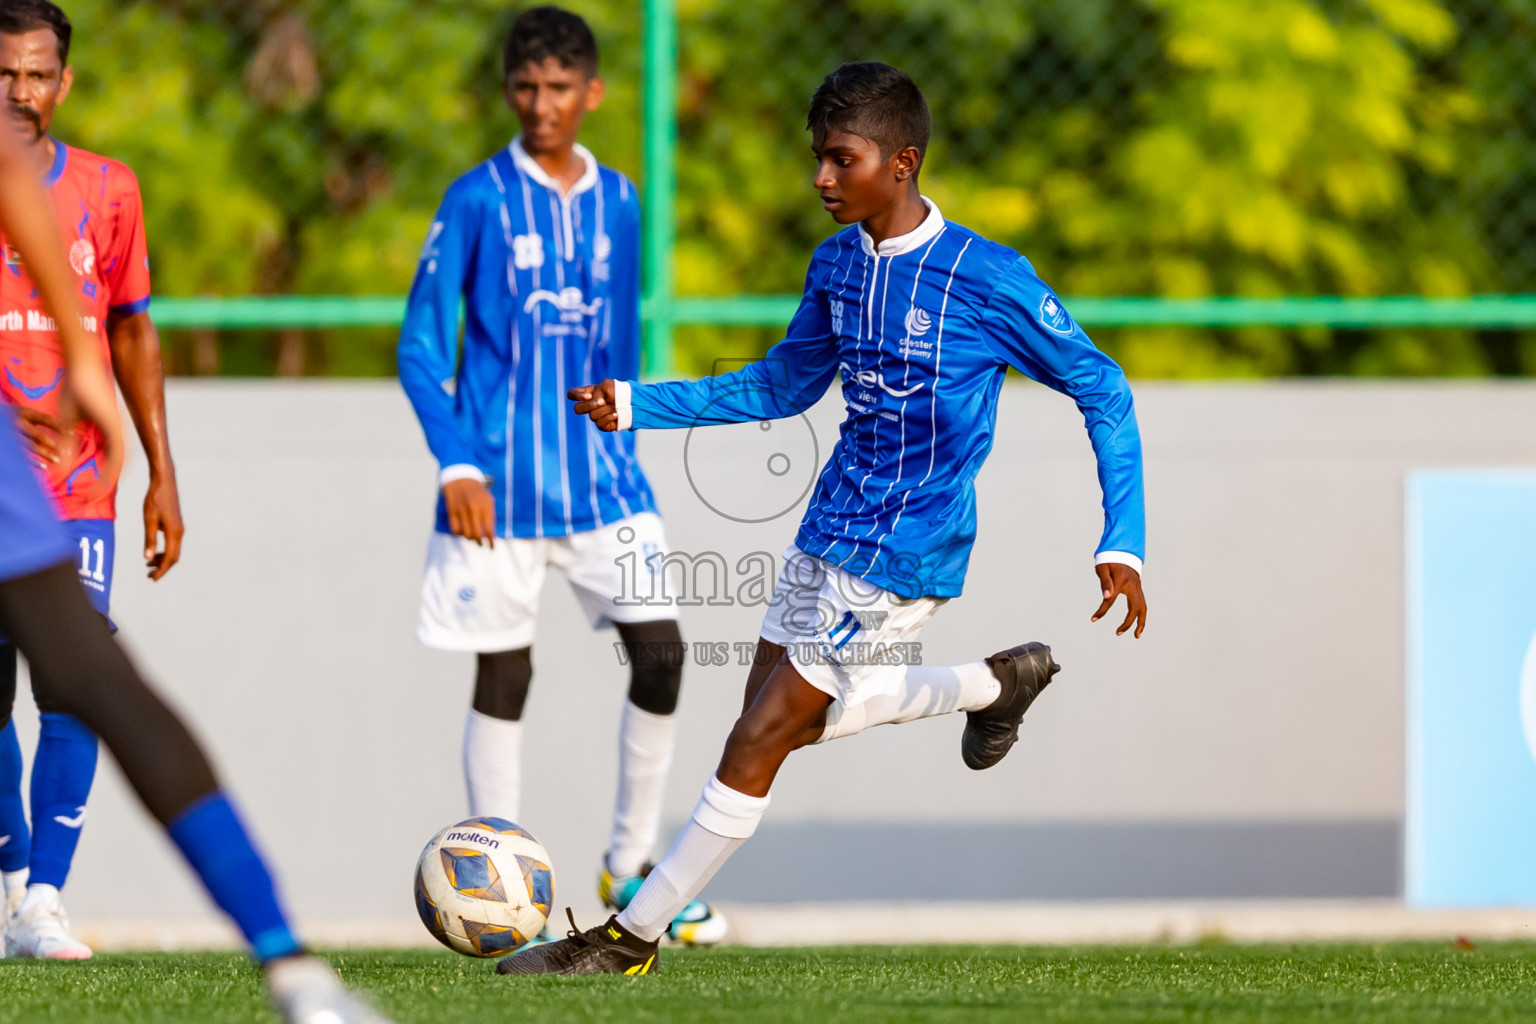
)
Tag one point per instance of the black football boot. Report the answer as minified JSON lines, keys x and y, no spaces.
{"x":606,"y":949}
{"x":1024,"y":672}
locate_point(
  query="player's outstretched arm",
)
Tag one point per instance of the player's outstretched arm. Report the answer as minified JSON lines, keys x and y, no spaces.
{"x":26,"y":216}
{"x":1116,"y":579}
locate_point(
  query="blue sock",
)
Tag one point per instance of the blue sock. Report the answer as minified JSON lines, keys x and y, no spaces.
{"x":61,"y":781}
{"x":216,"y":845}
{"x":16,"y":846}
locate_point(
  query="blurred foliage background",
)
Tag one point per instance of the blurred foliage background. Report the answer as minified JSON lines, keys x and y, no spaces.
{"x":1129,"y":147}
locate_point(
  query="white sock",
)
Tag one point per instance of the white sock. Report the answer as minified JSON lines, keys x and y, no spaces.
{"x":645,"y":756}
{"x":39,"y":893}
{"x":721,"y":822}
{"x":493,"y":766}
{"x":15,"y":888}
{"x":925,"y":692}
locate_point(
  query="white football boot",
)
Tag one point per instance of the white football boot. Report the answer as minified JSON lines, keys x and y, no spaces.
{"x":40,"y":928}
{"x":306,"y":991}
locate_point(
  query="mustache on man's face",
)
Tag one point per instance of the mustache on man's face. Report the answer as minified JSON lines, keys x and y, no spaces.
{"x":29,"y":115}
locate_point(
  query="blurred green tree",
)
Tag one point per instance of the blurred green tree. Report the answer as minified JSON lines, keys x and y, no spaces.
{"x":1141,"y":147}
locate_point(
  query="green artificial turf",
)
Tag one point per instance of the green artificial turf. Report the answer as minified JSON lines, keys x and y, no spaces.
{"x":1216,"y":982}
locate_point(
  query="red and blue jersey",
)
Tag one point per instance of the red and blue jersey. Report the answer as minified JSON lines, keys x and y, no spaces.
{"x":101,"y":220}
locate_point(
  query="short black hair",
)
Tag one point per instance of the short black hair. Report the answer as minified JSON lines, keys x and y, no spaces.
{"x":540,"y":33}
{"x":873,"y":101}
{"x":21,"y":16}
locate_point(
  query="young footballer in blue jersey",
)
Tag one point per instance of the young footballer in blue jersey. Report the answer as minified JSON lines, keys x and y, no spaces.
{"x":541,"y":244}
{"x":919,"y":319}
{"x":77,"y":666}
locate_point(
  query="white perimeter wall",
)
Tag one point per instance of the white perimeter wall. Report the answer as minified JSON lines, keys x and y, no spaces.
{"x":1268,"y":687}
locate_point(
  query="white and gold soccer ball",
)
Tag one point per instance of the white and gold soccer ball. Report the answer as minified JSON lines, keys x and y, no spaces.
{"x":484,"y":887}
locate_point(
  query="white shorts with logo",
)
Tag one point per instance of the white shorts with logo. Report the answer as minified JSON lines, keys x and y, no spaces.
{"x":486,"y":599}
{"x":846,"y":636}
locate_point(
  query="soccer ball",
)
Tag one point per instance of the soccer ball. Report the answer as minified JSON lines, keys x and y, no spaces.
{"x":484,"y":887}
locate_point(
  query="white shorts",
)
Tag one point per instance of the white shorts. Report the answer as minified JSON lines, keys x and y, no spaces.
{"x":846,"y":636}
{"x":485,"y":599}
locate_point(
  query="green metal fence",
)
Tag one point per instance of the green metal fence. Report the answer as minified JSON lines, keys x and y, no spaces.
{"x":662,"y":312}
{"x":1132,"y":148}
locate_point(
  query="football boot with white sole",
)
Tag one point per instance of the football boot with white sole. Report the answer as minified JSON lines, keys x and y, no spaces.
{"x":606,"y":949}
{"x":1023,"y":672}
{"x":699,"y":924}
{"x":306,"y":991}
{"x":40,"y":929}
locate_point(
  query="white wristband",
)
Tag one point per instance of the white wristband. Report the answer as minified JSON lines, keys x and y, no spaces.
{"x":459,"y":471}
{"x":1119,"y":558}
{"x":623,"y":405}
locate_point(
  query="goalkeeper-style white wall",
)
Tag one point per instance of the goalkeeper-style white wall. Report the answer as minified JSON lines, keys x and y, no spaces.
{"x":1249,"y":745}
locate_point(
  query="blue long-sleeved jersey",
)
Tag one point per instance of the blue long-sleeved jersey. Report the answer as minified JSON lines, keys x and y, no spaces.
{"x":550,"y":284}
{"x":921,"y":330}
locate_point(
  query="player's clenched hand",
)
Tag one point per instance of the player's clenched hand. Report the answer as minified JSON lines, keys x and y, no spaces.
{"x":598,"y":402}
{"x":162,"y":515}
{"x":471,"y":511}
{"x":1116,"y":579}
{"x":44,"y":435}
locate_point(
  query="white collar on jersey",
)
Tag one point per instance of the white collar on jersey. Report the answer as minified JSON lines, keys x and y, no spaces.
{"x":527,"y":165}
{"x":931,"y":225}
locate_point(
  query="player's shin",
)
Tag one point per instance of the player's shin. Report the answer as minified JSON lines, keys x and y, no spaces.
{"x":61,"y":781}
{"x":646,"y":742}
{"x":218,"y":847}
{"x":15,"y":840}
{"x":493,"y":766}
{"x":925,"y":692}
{"x":721,"y":822}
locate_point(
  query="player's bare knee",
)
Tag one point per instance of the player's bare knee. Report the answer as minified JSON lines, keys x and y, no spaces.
{"x":656,"y":654}
{"x":502,"y":679}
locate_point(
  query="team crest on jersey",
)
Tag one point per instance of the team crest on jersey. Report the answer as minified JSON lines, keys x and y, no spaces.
{"x":528,"y":251}
{"x":1054,"y":316}
{"x":13,"y":261}
{"x":837,"y":316}
{"x":82,"y":257}
{"x":918,"y":323}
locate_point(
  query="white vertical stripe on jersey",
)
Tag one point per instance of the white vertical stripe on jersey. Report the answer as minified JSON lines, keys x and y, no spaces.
{"x":901,"y":423}
{"x":933,"y":399}
{"x":605,"y":441}
{"x":858,"y":252}
{"x":538,"y":366}
{"x":514,"y":342}
{"x":556,"y":210}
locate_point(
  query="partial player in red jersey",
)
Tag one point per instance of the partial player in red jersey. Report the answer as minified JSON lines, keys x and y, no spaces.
{"x":101,"y":220}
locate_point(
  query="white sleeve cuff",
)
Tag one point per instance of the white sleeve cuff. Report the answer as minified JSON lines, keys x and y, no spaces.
{"x":459,"y":471}
{"x":1118,"y":557}
{"x":623,"y":405}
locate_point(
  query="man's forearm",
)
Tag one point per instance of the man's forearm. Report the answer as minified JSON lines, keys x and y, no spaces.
{"x":140,"y":374}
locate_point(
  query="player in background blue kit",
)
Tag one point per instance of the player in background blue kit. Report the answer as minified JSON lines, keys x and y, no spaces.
{"x":919,"y":319}
{"x":78,"y":667}
{"x":541,"y":244}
